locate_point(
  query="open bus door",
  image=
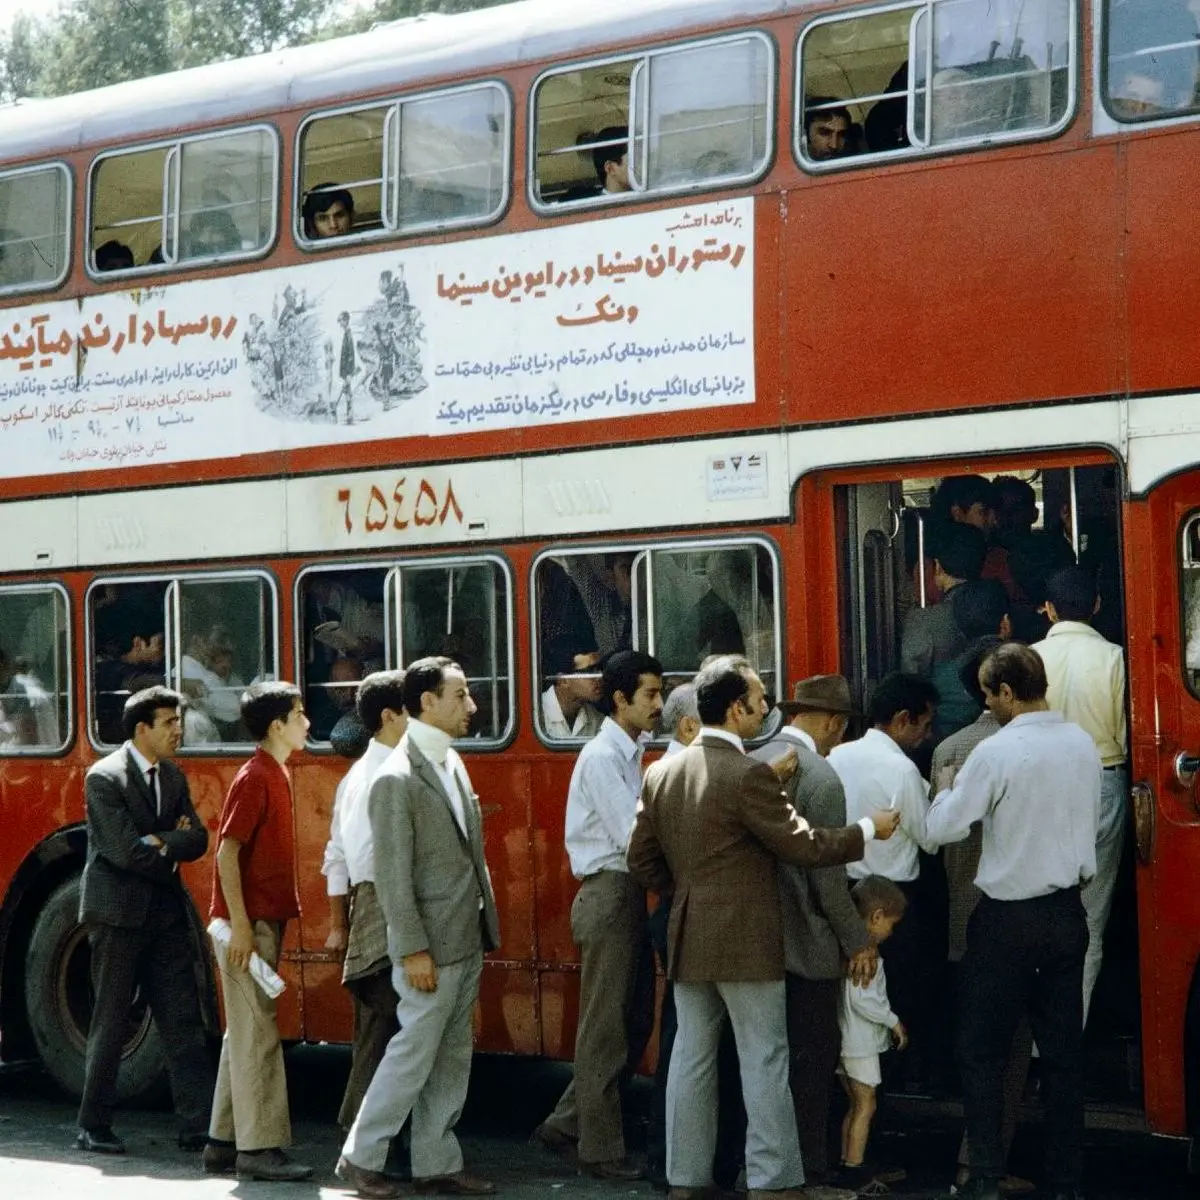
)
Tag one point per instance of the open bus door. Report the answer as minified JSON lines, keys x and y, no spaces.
{"x":1162,"y":553}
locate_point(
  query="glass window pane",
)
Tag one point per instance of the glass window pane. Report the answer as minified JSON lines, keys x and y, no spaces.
{"x":34,"y":678}
{"x":342,"y":639}
{"x":1153,"y":65}
{"x":999,"y":66}
{"x":227,"y":192}
{"x":342,"y":154}
{"x":854,"y":82}
{"x":1191,"y":603}
{"x":34,"y":228}
{"x":461,"y":611}
{"x":708,"y":113}
{"x":226,"y":641}
{"x":452,"y":154}
{"x":582,"y":116}
{"x":127,"y":623}
{"x":127,"y":210}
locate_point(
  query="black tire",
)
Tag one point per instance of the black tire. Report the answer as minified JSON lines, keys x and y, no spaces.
{"x":58,"y":1001}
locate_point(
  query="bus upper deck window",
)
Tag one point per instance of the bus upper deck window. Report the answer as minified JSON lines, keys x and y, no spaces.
{"x":201,"y":200}
{"x":427,"y":163}
{"x":944,"y":73}
{"x":1152,"y":60}
{"x":674,"y":119}
{"x":34,"y":228}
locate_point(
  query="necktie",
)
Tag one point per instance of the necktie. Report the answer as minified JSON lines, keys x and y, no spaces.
{"x":152,"y":781}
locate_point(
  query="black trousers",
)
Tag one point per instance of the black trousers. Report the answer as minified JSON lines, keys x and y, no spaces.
{"x":814,"y":1043}
{"x":159,"y":959}
{"x":1024,"y":955}
{"x":375,"y":1025}
{"x":909,"y":961}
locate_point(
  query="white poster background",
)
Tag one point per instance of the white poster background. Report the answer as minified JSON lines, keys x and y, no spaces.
{"x":647,"y":312}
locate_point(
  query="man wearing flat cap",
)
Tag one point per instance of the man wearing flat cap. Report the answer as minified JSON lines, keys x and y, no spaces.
{"x":821,"y":927}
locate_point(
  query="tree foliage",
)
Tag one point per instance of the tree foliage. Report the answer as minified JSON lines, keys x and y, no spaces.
{"x":91,"y":43}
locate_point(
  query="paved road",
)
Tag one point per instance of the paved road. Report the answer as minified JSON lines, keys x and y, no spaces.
{"x":38,"y":1161}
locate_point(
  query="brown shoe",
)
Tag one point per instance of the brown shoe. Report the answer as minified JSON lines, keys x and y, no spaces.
{"x":548,"y":1138}
{"x":372,"y":1185}
{"x":458,"y":1184}
{"x":613,"y":1168}
{"x":219,"y":1158}
{"x":271,"y":1166}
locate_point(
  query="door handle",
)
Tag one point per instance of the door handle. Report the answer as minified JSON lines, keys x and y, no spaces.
{"x":1187,"y":766}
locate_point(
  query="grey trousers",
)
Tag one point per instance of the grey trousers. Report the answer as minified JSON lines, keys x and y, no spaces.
{"x":425,"y":1071}
{"x":758,"y":1013}
{"x":1097,"y":893}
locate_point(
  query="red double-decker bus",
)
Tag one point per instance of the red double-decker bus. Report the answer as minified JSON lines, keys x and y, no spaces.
{"x":605,"y":343}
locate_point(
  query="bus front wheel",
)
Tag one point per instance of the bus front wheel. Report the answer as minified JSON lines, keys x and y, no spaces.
{"x":58,"y":1001}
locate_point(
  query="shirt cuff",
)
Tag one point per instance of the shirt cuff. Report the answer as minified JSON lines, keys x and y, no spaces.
{"x":868,"y":828}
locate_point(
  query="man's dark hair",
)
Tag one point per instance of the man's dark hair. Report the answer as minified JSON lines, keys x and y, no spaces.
{"x":969,"y":664}
{"x":425,"y":675}
{"x":1073,"y":593}
{"x":322,"y":198}
{"x":1018,"y":666}
{"x":622,"y":672}
{"x":721,"y":683}
{"x":897,"y":693}
{"x":1014,"y":498}
{"x":263,"y":703}
{"x":218,"y":225}
{"x":960,"y":549}
{"x":979,"y":605}
{"x":604,"y":153}
{"x":878,"y":893}
{"x":141,"y":707}
{"x":961,"y":491}
{"x":379,"y":690}
{"x":814,"y":109}
{"x":114,"y":256}
{"x":1033,"y":558}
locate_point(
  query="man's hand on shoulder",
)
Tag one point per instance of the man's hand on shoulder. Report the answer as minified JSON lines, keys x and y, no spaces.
{"x":886,"y":822}
{"x":862,"y":966}
{"x":421,"y":971}
{"x":785,"y":766}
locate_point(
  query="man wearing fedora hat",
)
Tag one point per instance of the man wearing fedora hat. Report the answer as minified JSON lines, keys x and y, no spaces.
{"x":822,"y":929}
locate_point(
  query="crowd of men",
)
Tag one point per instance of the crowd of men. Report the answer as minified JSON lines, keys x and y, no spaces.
{"x":776,"y":885}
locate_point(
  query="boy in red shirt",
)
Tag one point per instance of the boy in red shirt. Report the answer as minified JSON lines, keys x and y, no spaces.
{"x":254,"y":889}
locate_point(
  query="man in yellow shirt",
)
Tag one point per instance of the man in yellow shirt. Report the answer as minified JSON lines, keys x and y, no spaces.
{"x":1086,"y":674}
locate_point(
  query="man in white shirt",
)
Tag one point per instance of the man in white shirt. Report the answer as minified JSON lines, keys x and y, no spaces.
{"x":356,"y":926}
{"x":1035,"y":786}
{"x":569,"y":703}
{"x":608,"y":921}
{"x":877,"y":773}
{"x":1085,"y":674}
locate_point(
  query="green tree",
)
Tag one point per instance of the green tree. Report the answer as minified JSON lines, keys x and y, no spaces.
{"x":204,"y":31}
{"x":396,"y":10}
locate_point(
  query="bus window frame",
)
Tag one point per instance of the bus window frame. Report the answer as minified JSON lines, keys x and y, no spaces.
{"x":68,"y":739}
{"x":217,"y":574}
{"x":909,"y":153}
{"x":638,"y":549}
{"x":1105,"y":120}
{"x":642,"y":56}
{"x":1190,"y":520}
{"x":389,"y":567}
{"x":390,"y":105}
{"x":68,"y":241}
{"x":176,"y":144}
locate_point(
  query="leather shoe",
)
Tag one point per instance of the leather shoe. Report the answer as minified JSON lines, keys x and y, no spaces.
{"x":272,"y":1166}
{"x":458,"y":1184}
{"x":191,"y":1141}
{"x":219,"y":1158}
{"x":372,"y":1185}
{"x":547,"y":1137}
{"x":100,"y":1140}
{"x":612,"y":1168}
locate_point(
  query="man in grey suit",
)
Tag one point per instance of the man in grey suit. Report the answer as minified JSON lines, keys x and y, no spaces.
{"x":433,"y":885}
{"x":822,"y":930}
{"x":141,"y":826}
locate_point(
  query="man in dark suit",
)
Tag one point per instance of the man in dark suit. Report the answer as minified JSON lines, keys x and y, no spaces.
{"x":141,"y":826}
{"x":822,"y":930}
{"x":710,"y":827}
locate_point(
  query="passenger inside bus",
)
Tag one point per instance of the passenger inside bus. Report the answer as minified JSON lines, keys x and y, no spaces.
{"x":1153,"y":58}
{"x":211,"y":233}
{"x":26,"y":713}
{"x":213,"y":687}
{"x":130,"y":643}
{"x":828,"y":129}
{"x":569,"y":702}
{"x":114,"y":256}
{"x":609,"y":152}
{"x":328,"y":211}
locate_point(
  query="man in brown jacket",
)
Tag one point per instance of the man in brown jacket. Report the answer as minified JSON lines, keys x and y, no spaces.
{"x":711,"y":826}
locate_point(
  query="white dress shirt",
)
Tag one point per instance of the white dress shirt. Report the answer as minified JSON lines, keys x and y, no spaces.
{"x":793,"y":734}
{"x":877,"y":774}
{"x":586,"y":724}
{"x":865,"y":1017}
{"x":1086,"y":674}
{"x":1035,"y":785}
{"x":350,"y":851}
{"x":673,"y":747}
{"x":602,"y":801}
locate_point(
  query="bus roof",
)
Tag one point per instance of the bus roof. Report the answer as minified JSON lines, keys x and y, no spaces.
{"x":397,"y":56}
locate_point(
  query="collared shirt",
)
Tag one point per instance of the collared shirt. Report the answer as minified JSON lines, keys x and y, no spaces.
{"x":673,"y":747}
{"x":724,"y":735}
{"x":1086,"y":674}
{"x":798,"y":735}
{"x":350,"y":851}
{"x":586,"y":724}
{"x":1035,"y":785}
{"x":602,"y":801}
{"x":151,"y":781}
{"x":877,"y":774}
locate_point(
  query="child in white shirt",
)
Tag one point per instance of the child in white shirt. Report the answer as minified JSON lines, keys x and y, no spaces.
{"x":868,"y":1026}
